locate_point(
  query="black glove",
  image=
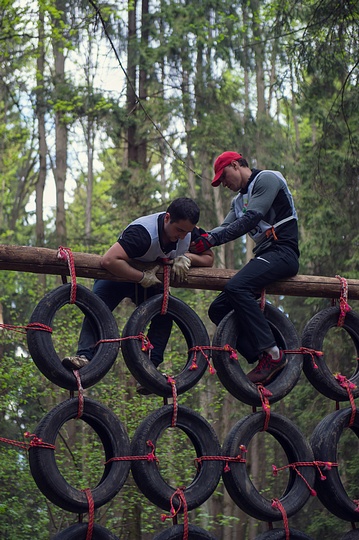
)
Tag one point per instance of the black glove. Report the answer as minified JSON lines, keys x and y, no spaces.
{"x":201,"y":244}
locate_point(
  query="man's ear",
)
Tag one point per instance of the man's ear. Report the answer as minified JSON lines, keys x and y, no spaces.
{"x":167,"y":217}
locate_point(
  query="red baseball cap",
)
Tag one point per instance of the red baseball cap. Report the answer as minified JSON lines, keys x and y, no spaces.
{"x":221,"y":162}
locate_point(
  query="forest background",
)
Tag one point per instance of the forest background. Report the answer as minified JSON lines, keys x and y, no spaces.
{"x":108,"y":111}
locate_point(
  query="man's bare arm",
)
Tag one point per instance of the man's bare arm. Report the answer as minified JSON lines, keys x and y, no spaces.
{"x":116,"y":261}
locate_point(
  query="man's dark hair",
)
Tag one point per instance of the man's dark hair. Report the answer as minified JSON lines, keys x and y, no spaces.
{"x":242,"y":162}
{"x":183,"y":208}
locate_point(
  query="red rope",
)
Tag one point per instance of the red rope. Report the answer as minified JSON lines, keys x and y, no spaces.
{"x":194,"y":365}
{"x":66,"y":254}
{"x":277,"y":504}
{"x":179,"y":493}
{"x":166,"y":285}
{"x":227,"y":459}
{"x":30,"y":326}
{"x":264,"y":394}
{"x":305,"y":350}
{"x":91,"y":513}
{"x":349,"y":386}
{"x":146,"y":345}
{"x":172,"y":382}
{"x":202,"y":348}
{"x":35,"y":441}
{"x":343,"y":304}
{"x":148,"y":457}
{"x":80,"y":389}
{"x":327,"y":465}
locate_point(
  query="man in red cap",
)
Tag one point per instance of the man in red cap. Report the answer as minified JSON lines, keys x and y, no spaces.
{"x":264,"y":209}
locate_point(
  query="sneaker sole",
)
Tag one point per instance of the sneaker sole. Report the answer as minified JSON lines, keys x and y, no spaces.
{"x":69,"y":365}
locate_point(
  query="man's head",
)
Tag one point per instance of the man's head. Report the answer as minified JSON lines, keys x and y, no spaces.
{"x":181,"y":218}
{"x":227,"y":159}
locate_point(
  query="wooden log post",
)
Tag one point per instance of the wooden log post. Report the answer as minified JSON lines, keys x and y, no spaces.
{"x":46,"y":261}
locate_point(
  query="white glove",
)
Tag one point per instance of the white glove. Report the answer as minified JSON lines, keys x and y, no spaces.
{"x":149,"y":278}
{"x":180,"y":267}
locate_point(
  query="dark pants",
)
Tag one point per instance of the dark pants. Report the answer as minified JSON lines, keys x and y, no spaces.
{"x":241,"y":293}
{"x":112,"y":293}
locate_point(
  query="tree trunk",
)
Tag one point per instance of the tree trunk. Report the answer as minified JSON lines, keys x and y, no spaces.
{"x":132,"y":155}
{"x":60,"y":129}
{"x":259,"y":59}
{"x":40,"y":111}
{"x":143,"y":77}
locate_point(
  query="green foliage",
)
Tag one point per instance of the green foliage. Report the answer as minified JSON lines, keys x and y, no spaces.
{"x":204,"y":64}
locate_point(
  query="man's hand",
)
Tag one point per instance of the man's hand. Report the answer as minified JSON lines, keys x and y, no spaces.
{"x":201,"y":244}
{"x":180,"y":267}
{"x":149,"y":278}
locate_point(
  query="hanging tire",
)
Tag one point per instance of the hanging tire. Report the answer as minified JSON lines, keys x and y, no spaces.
{"x":176,"y":533}
{"x":41,"y":346}
{"x":204,"y":439}
{"x":324,"y":442}
{"x":79,"y":532}
{"x":279,"y":534}
{"x":230,"y":372}
{"x":237,"y":481}
{"x":138,"y":361}
{"x":314,"y":333}
{"x":115,"y":442}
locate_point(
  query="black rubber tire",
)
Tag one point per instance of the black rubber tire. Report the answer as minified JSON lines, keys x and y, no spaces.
{"x":138,"y":362}
{"x":324,"y":442}
{"x":230,"y":372}
{"x":41,"y":346}
{"x":279,"y":534}
{"x":204,"y":439}
{"x":79,"y":532}
{"x":313,"y":336}
{"x":351,"y":535}
{"x":176,"y":533}
{"x":115,"y":441}
{"x":240,"y":486}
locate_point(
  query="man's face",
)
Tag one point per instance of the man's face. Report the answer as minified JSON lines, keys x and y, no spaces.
{"x":231,"y":177}
{"x":177,"y":230}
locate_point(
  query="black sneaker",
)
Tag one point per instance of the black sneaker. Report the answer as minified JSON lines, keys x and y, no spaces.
{"x":267,"y":368}
{"x":75,"y":362}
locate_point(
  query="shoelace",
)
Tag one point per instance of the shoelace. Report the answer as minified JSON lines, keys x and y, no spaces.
{"x":264,"y":362}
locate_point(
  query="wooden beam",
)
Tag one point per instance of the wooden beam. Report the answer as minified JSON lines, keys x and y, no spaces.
{"x":46,"y":261}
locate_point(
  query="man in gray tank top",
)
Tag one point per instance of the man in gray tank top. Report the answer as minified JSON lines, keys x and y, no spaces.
{"x":264,"y":209}
{"x":163,"y":235}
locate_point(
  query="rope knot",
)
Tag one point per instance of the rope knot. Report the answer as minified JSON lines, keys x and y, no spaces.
{"x":66,"y":254}
{"x":344,"y":382}
{"x":312,"y":353}
{"x":146,"y":345}
{"x":200,"y":348}
{"x":151,"y":456}
{"x":35,"y":440}
{"x":343,"y":304}
{"x":179,"y":493}
{"x":233,"y":355}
